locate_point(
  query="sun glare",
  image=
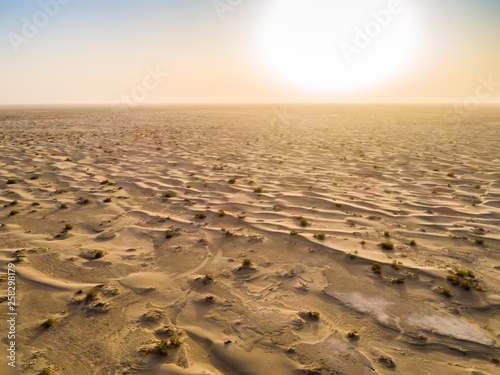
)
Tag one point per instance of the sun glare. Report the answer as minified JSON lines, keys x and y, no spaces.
{"x":333,"y":45}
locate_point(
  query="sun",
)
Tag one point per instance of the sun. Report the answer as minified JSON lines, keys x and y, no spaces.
{"x":335,"y":45}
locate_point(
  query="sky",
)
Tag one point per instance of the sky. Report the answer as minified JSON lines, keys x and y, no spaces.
{"x":131,"y":52}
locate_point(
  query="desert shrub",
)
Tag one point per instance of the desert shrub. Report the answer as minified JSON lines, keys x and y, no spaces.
{"x":377,"y":268}
{"x":446,"y":292}
{"x":352,"y":254}
{"x":394,"y":265}
{"x":98,"y":254}
{"x":363,"y":242}
{"x":460,"y":273}
{"x":222,"y":213}
{"x":465,"y":284}
{"x":63,"y":205}
{"x":35,"y":204}
{"x":247,"y":263}
{"x":399,"y":280}
{"x":257,"y":190}
{"x":314,"y":315}
{"x":413,"y":243}
{"x":303,"y":222}
{"x":241,"y":216}
{"x":352,"y":334}
{"x":34,"y":177}
{"x":13,"y":212}
{"x":47,"y":371}
{"x":11,"y":181}
{"x":387,"y":234}
{"x":48,"y":323}
{"x":169,"y":235}
{"x":208,"y":278}
{"x":479,"y":241}
{"x":319,"y":236}
{"x":68,"y":226}
{"x":107,"y":200}
{"x":387,"y":245}
{"x":201,"y":215}
{"x":168,"y":195}
{"x":231,"y":181}
{"x":294,"y":233}
{"x":14,"y":203}
{"x":91,"y":295}
{"x":338,"y":205}
{"x":174,"y":341}
{"x":163,"y":347}
{"x":477,"y":187}
{"x":83,"y":200}
{"x":451,"y":174}
{"x":189,"y":186}
{"x":471,"y":274}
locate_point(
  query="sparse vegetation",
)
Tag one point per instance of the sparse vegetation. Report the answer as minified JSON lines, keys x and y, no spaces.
{"x":387,"y":234}
{"x":353,"y":334}
{"x":446,"y":292}
{"x":395,"y":265}
{"x":314,"y":315}
{"x":13,"y":212}
{"x":168,"y":195}
{"x":247,"y":263}
{"x":68,"y":227}
{"x":257,"y":190}
{"x":48,"y":323}
{"x":91,"y":295}
{"x":63,"y":205}
{"x":479,"y":241}
{"x":83,"y":201}
{"x":451,"y":174}
{"x":222,"y":213}
{"x":174,"y":341}
{"x":34,"y":177}
{"x":169,"y":235}
{"x":363,"y":242}
{"x":413,"y":243}
{"x":338,"y":205}
{"x":294,"y":233}
{"x":398,"y":280}
{"x":241,"y":216}
{"x":387,"y":245}
{"x":107,"y":200}
{"x":208,"y":278}
{"x":47,"y":371}
{"x":163,"y":347}
{"x":377,"y":268}
{"x":98,"y":254}
{"x":319,"y":236}
{"x":11,"y":181}
{"x":231,"y":180}
{"x":201,"y":215}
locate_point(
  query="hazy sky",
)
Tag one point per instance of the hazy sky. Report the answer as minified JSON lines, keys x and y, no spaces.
{"x":190,"y":51}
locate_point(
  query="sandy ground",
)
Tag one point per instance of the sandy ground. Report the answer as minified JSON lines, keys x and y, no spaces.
{"x":161,"y":271}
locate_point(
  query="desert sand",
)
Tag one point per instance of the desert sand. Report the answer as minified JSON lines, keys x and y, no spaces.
{"x":156,"y":209}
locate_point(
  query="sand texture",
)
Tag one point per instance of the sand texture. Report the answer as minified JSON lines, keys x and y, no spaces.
{"x":305,"y":193}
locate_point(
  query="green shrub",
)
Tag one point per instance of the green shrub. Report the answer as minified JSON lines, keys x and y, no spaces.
{"x":314,"y":315}
{"x":471,"y":274}
{"x":63,"y":205}
{"x":107,"y":200}
{"x":83,"y":200}
{"x":208,"y":278}
{"x":91,"y":295}
{"x":13,"y":212}
{"x":294,"y":233}
{"x":387,"y":245}
{"x":319,"y":236}
{"x":304,"y":222}
{"x":11,"y":181}
{"x":169,"y":235}
{"x":247,"y":263}
{"x":387,"y":234}
{"x":163,"y":347}
{"x":413,"y":243}
{"x":98,"y":254}
{"x":363,"y":242}
{"x":201,"y":215}
{"x":394,"y":265}
{"x":222,"y":213}
{"x":399,"y":280}
{"x":68,"y":226}
{"x":479,"y":241}
{"x":352,"y":334}
{"x":47,"y":371}
{"x":338,"y":205}
{"x":257,"y":190}
{"x":377,"y":268}
{"x":174,"y":341}
{"x":446,"y":292}
{"x":168,"y":195}
{"x":48,"y":323}
{"x":451,"y":174}
{"x":231,"y":181}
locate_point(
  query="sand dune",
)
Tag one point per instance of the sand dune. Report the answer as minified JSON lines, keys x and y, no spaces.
{"x":157,"y":210}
